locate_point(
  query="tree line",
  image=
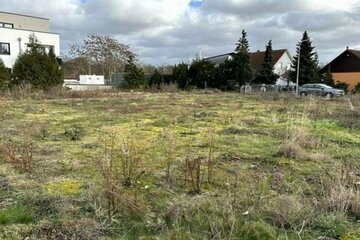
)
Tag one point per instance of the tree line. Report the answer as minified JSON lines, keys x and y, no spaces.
{"x":104,"y":55}
{"x":238,"y":71}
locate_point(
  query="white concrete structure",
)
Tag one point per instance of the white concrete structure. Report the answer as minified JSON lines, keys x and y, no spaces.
{"x":92,"y":80}
{"x":71,"y":82}
{"x":15,"y":30}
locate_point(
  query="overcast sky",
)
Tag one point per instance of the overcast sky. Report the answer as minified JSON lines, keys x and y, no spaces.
{"x":172,"y":31}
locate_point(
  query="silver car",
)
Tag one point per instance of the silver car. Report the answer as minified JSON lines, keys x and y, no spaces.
{"x":321,"y":90}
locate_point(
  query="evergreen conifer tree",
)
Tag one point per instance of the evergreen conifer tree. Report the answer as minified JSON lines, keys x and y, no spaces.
{"x":181,"y":75}
{"x":37,"y":68}
{"x":156,"y":79}
{"x":201,"y":74}
{"x":243,"y":72}
{"x":134,"y":76}
{"x":224,"y":76}
{"x":267,"y":74}
{"x":308,"y":72}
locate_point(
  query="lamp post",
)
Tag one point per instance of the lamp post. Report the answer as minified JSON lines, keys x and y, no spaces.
{"x":297,"y":71}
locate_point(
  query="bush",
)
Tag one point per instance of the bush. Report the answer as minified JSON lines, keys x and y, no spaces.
{"x":5,"y":76}
{"x":134,"y":77}
{"x":156,"y":80}
{"x":201,"y":74}
{"x":36,"y":67}
{"x":180,"y":73}
{"x":74,"y":133}
{"x":333,"y":225}
{"x":343,"y":86}
{"x":357,"y":88}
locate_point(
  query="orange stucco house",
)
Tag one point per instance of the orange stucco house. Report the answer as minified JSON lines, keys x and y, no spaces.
{"x":345,"y":68}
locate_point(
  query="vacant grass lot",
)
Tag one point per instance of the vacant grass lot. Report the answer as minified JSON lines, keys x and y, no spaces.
{"x":180,"y":166}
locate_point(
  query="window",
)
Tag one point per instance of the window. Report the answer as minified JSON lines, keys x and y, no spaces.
{"x":47,"y":48}
{"x":44,"y":48}
{"x":6,"y":25}
{"x":5,"y":48}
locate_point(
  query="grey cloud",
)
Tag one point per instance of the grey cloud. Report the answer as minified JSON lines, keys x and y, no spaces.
{"x":252,"y":9}
{"x":319,"y":22}
{"x":214,"y":27}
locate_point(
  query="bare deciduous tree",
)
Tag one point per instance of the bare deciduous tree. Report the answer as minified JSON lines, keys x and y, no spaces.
{"x":104,"y":52}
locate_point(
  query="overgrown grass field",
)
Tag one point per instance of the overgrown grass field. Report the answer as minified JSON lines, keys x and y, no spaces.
{"x":180,"y":166}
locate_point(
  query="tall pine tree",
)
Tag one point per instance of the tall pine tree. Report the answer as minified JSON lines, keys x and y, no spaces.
{"x":267,"y":74}
{"x":243,"y":72}
{"x":308,"y":71}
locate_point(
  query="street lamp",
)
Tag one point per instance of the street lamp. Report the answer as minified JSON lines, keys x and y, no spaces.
{"x":297,"y":71}
{"x":298,"y":67}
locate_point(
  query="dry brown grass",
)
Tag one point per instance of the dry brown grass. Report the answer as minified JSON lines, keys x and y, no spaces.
{"x":319,"y":156}
{"x":341,"y":193}
{"x":119,"y":168}
{"x":295,"y":142}
{"x":286,"y":211}
{"x":18,"y":152}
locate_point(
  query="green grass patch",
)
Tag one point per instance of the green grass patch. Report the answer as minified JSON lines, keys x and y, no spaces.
{"x":17,"y":214}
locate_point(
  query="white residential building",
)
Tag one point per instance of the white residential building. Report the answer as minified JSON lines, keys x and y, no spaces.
{"x":281,"y":60}
{"x":15,"y":30}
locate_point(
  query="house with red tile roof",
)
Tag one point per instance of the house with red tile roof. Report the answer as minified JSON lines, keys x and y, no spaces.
{"x":281,"y":60}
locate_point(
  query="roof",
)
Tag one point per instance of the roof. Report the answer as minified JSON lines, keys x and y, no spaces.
{"x":23,"y":15}
{"x":218,"y":59}
{"x":354,"y":52}
{"x":256,"y":58}
{"x":220,"y":55}
{"x":347,"y":61}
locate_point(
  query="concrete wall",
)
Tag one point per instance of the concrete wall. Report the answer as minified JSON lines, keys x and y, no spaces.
{"x":88,"y":87}
{"x":350,"y":78}
{"x":25,"y":22}
{"x":18,"y":40}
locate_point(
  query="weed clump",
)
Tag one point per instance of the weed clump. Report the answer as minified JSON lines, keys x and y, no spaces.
{"x":74,"y":133}
{"x":232,"y":130}
{"x":18,"y":152}
{"x":120,"y":170}
{"x":257,"y":231}
{"x":333,"y":225}
{"x":296,"y":140}
{"x":286,"y":211}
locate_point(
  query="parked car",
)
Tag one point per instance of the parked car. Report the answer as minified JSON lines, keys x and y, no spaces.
{"x":321,"y":90}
